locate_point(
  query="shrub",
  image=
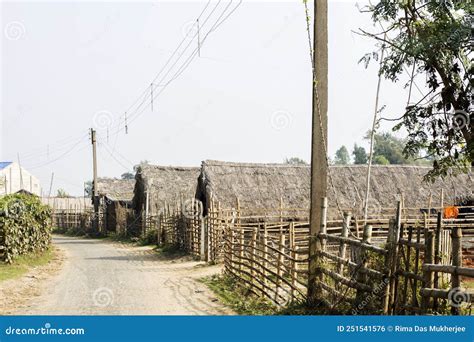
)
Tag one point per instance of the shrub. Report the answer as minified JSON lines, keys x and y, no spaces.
{"x":25,"y":226}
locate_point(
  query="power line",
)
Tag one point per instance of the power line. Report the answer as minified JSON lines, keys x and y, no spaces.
{"x":131,"y":117}
{"x":191,"y":57}
{"x":144,"y":93}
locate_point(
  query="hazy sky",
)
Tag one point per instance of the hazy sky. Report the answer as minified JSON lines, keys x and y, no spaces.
{"x":70,"y":66}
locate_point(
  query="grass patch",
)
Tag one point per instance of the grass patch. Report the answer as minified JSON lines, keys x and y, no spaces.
{"x":23,"y":264}
{"x":170,"y":252}
{"x":241,"y":300}
{"x":469,"y":283}
{"x":245,"y":302}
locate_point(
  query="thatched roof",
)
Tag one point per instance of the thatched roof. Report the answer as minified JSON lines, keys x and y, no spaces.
{"x":256,"y":185}
{"x":116,"y":189}
{"x":165,"y":184}
{"x":390,"y":182}
{"x":262,"y":185}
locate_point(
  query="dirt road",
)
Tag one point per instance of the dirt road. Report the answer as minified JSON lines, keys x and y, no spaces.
{"x":101,"y":277}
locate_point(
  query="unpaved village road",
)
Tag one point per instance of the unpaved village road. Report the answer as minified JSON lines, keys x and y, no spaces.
{"x":100,"y":277}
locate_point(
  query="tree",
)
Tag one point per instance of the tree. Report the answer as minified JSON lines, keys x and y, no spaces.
{"x":62,"y":194}
{"x":342,"y":156}
{"x":390,"y":147}
{"x":295,"y":161}
{"x":381,"y":160}
{"x":127,"y":175}
{"x":433,"y":38}
{"x":360,"y":155}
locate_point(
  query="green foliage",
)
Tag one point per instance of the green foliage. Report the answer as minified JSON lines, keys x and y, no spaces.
{"x":127,"y":175}
{"x":150,"y":238}
{"x":62,"y":193}
{"x":237,"y":297}
{"x":295,"y":161}
{"x":25,"y":224}
{"x":342,"y":156}
{"x":380,"y":160}
{"x":360,"y":155}
{"x":433,"y":38}
{"x":389,"y":149}
{"x":24,"y":263}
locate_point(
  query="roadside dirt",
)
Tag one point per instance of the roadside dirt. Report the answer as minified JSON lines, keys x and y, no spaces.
{"x":16,"y":293}
{"x":99,"y":277}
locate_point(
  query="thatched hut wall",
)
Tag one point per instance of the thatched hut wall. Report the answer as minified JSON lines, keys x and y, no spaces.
{"x":262,"y":186}
{"x":164,"y":184}
{"x":115,"y":196}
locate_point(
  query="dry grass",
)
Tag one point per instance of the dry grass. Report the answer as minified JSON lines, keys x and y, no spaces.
{"x":23,"y":264}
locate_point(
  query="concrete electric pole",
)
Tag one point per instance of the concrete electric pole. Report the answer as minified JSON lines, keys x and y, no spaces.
{"x":95,"y":196}
{"x":319,"y":169}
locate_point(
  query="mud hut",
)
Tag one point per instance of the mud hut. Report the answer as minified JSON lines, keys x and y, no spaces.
{"x":262,"y":186}
{"x":115,"y":203}
{"x":157,"y":186}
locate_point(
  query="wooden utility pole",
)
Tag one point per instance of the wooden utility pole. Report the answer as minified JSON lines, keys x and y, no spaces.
{"x":95,"y":196}
{"x":319,"y":168}
{"x":51,"y":184}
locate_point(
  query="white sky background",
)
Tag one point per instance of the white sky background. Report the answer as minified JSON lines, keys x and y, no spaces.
{"x":247,"y":98}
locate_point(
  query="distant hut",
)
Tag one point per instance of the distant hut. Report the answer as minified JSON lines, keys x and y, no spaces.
{"x":115,"y":199}
{"x":157,"y":186}
{"x":262,"y":186}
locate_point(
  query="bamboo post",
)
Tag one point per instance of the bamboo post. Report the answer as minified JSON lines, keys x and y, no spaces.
{"x":218,"y":233}
{"x":342,"y":246}
{"x":407,"y":260}
{"x":265,"y":251}
{"x":427,"y":274}
{"x":281,"y":260}
{"x":388,"y":263}
{"x":397,"y":263}
{"x":203,"y":227}
{"x":417,"y":266}
{"x":437,"y":255}
{"x":293,"y":255}
{"x":356,"y":226}
{"x":241,"y":246}
{"x":361,"y":276}
{"x":394,"y":259}
{"x":253,"y":252}
{"x":456,"y":241}
{"x":281,"y":215}
{"x":231,"y":252}
{"x":210,"y":230}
